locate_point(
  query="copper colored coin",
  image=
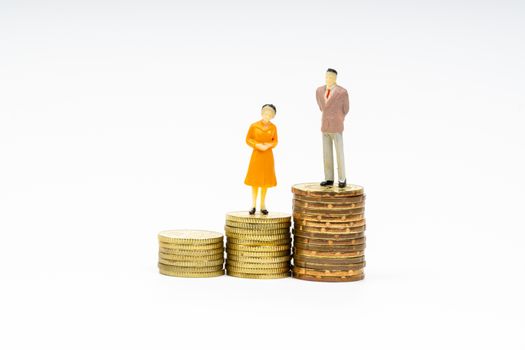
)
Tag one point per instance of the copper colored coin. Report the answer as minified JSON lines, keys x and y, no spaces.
{"x":329,"y":261}
{"x":331,"y":236}
{"x":328,"y":279}
{"x":328,"y":212}
{"x":314,"y":253}
{"x":327,"y":206}
{"x":329,"y":267}
{"x":330,"y":242}
{"x":318,"y":225}
{"x":330,"y":248}
{"x":327,"y":219}
{"x":356,"y":229}
{"x":327,"y":273}
{"x":328,"y":234}
{"x":313,"y":189}
{"x":353,"y":199}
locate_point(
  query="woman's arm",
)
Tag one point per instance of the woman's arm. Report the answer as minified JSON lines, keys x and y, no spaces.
{"x":274,"y":141}
{"x":249,"y":138}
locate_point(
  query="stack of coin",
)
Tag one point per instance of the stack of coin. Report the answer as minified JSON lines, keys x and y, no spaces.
{"x":329,"y":232}
{"x":258,"y":246}
{"x":191,"y":253}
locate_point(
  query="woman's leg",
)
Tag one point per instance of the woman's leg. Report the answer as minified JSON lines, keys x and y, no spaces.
{"x":263,"y":197}
{"x":254,"y":196}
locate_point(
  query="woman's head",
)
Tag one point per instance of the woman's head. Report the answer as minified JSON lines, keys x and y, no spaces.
{"x":268,"y":112}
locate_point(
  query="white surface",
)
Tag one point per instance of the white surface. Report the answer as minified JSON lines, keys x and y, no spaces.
{"x":122,"y":119}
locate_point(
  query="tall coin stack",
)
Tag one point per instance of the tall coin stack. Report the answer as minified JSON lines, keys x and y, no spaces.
{"x":329,"y":233}
{"x":191,"y":253}
{"x":258,"y":246}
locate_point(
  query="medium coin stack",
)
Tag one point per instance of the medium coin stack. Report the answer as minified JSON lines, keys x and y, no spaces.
{"x":329,"y":233}
{"x":258,"y":246}
{"x":191,"y":253}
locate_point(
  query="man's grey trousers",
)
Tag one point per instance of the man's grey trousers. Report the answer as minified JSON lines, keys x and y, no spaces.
{"x":329,"y":141}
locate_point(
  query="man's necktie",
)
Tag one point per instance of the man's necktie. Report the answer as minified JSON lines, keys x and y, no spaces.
{"x":327,"y":93}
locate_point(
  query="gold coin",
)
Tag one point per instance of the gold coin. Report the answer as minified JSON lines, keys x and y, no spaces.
{"x":314,"y":253}
{"x":313,"y":189}
{"x":189,"y":269}
{"x":327,"y":200}
{"x":329,"y":267}
{"x":329,"y":236}
{"x":258,"y":227}
{"x":258,"y":237}
{"x":326,"y":273}
{"x":246,"y":248}
{"x":196,"y":258}
{"x":244,"y":231}
{"x":260,"y":271}
{"x":329,"y":279}
{"x":260,"y":243}
{"x":244,"y":216}
{"x":330,"y":248}
{"x":198,"y":247}
{"x":246,"y":265}
{"x":330,"y":242}
{"x":191,"y":274}
{"x":190,"y":237}
{"x":257,"y":254}
{"x":191,"y":253}
{"x":327,"y":206}
{"x":327,"y":218}
{"x":258,"y":277}
{"x":260,"y":260}
{"x":214,"y":263}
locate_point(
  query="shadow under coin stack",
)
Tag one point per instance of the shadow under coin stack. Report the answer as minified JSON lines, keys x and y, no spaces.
{"x":258,"y":246}
{"x":329,"y":233}
{"x":191,"y":253}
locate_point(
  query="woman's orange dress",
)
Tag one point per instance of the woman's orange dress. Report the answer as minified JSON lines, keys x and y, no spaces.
{"x":261,"y":171}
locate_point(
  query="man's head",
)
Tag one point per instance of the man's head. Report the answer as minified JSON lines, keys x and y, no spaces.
{"x":331,"y":76}
{"x":268,"y":112}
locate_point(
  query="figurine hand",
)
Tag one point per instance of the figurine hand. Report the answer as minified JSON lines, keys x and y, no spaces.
{"x":262,"y":146}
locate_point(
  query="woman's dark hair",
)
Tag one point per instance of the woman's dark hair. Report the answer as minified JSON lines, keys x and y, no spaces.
{"x":331,"y":70}
{"x":271,"y":106}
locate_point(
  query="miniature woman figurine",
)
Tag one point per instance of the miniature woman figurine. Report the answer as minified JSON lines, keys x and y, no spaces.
{"x":262,"y":137}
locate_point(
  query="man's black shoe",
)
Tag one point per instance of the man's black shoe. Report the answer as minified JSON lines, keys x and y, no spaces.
{"x":252,"y":212}
{"x":342,"y":184}
{"x":327,"y":183}
{"x":264,"y":211}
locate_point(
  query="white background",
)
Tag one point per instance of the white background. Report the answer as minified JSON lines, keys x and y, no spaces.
{"x":121,"y":119}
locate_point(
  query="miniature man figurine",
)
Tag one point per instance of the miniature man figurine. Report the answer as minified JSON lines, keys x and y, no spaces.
{"x":262,"y":137}
{"x":334,"y":104}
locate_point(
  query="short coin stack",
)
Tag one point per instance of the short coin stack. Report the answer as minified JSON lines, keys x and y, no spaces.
{"x":191,"y":253}
{"x":258,"y":246}
{"x":329,"y":238}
